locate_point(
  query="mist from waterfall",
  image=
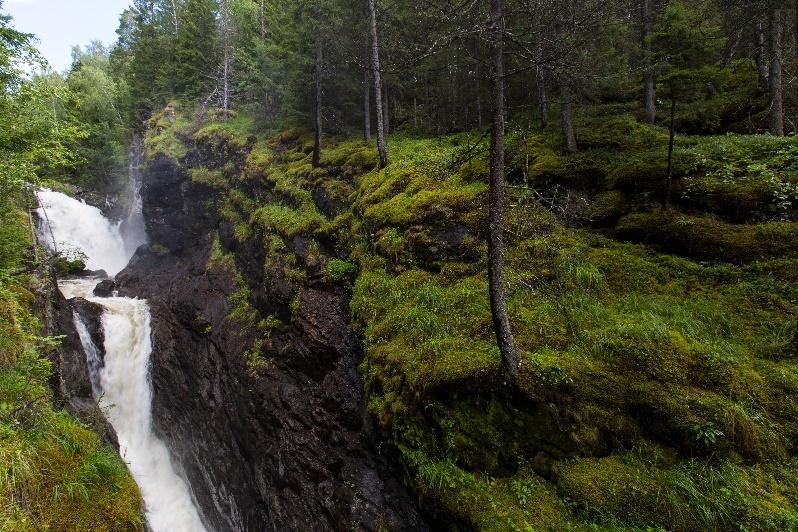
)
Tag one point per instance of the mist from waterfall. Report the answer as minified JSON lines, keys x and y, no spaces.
{"x":123,"y":382}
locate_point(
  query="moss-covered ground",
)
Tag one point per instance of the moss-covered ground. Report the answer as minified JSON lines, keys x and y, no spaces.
{"x":658,"y":391}
{"x":55,"y":474}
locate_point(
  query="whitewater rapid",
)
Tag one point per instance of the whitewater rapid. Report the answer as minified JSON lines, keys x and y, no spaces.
{"x":122,"y":382}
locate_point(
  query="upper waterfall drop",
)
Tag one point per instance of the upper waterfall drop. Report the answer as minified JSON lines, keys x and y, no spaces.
{"x":70,"y":224}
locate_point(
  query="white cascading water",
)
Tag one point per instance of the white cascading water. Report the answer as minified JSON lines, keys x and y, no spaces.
{"x":124,"y":379}
{"x":69,"y":224}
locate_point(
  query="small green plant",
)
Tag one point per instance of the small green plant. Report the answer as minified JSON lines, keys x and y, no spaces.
{"x":707,"y":434}
{"x":341,"y":271}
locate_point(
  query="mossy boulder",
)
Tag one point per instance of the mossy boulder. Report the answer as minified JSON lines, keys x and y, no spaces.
{"x":710,"y":239}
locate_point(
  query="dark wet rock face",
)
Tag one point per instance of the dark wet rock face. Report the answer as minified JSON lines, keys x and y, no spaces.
{"x":70,"y":367}
{"x":91,"y":315}
{"x":105,"y":288}
{"x":75,"y":377}
{"x":284,"y":445}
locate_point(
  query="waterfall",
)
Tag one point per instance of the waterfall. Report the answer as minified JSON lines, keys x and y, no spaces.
{"x":123,"y":382}
{"x":132,"y":226}
{"x":76,"y":226}
{"x":93,"y":359}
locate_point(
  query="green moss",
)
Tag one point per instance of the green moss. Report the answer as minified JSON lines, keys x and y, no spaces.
{"x":341,"y":271}
{"x":166,"y":133}
{"x":287,"y":221}
{"x":210,"y":178}
{"x":608,"y":206}
{"x":419,"y":187}
{"x":525,"y":503}
{"x":165,"y":144}
{"x":160,"y":249}
{"x":627,"y":337}
{"x":685,"y":496}
{"x":707,"y":238}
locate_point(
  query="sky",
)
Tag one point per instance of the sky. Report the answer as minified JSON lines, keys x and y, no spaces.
{"x":62,"y":24}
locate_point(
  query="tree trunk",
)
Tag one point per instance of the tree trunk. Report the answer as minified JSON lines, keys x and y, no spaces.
{"x":367,"y":108}
{"x":759,"y":56}
{"x":567,"y":117}
{"x":175,"y":19}
{"x":775,"y":78}
{"x":262,"y":20}
{"x":543,"y":98}
{"x":375,"y":71}
{"x":227,"y":57}
{"x":317,"y":120}
{"x":415,"y":113}
{"x":480,"y":123}
{"x":650,"y":96}
{"x":386,"y":109}
{"x":511,"y":360}
{"x":671,"y":142}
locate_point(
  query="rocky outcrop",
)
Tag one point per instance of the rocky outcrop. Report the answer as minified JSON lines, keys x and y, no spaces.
{"x":71,"y":378}
{"x":105,"y":288}
{"x":281,"y":445}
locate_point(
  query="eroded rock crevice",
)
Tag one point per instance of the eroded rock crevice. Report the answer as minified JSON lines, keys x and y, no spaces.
{"x":285,"y":444}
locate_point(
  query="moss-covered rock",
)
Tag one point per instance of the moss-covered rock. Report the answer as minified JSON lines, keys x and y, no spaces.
{"x":710,"y":239}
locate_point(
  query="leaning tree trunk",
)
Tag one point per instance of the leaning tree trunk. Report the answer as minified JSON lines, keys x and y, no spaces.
{"x":375,"y":74}
{"x":543,"y":95}
{"x":566,"y":111}
{"x":794,"y":344}
{"x":480,"y":123}
{"x":775,"y":78}
{"x":317,"y":110}
{"x":511,"y":360}
{"x":650,"y":96}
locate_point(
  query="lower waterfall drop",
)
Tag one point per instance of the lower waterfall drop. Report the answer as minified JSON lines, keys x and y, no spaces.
{"x":123,"y":380}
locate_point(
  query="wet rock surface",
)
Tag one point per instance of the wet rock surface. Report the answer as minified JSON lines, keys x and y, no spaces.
{"x":283,"y":446}
{"x":72,"y":376}
{"x":105,"y":288}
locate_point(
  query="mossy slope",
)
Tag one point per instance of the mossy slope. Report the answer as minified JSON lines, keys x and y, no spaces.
{"x":656,"y":392}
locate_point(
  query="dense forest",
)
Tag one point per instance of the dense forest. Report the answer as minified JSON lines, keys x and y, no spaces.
{"x":565,"y":233}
